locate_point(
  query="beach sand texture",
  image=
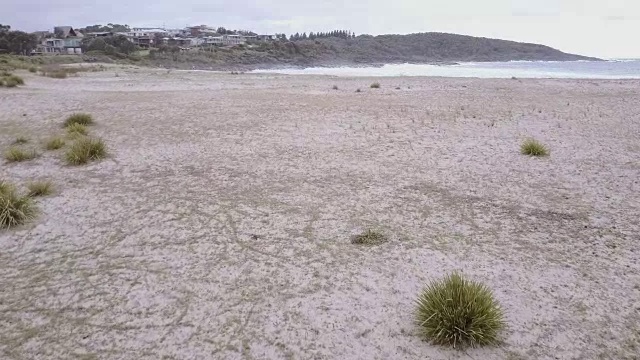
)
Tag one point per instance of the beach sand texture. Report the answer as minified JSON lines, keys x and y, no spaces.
{"x":219,"y":226}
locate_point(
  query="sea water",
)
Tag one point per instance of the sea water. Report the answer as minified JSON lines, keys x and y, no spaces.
{"x":611,"y":69}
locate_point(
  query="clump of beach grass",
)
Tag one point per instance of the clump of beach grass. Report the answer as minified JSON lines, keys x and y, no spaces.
{"x":54,"y":143}
{"x":79,"y":118}
{"x":358,"y":90}
{"x":459,"y":312}
{"x":15,"y":209}
{"x":33,"y":69}
{"x":534,"y":148}
{"x":21,"y":140}
{"x":335,"y":87}
{"x":375,"y":85}
{"x":369,"y":237}
{"x":77,"y":129}
{"x":16,"y":154}
{"x":40,"y":188}
{"x":86,"y":149}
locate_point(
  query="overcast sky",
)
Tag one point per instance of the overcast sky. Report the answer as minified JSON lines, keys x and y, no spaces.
{"x":602,"y":28}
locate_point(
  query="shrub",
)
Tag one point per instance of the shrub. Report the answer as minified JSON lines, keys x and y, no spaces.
{"x":369,"y":237}
{"x":16,"y":154}
{"x":5,"y":187}
{"x":17,"y":79}
{"x":56,"y":74}
{"x":40,"y":188}
{"x":33,"y":69}
{"x":335,"y":87}
{"x":15,"y":209}
{"x":74,"y":129}
{"x":375,"y":85}
{"x":79,"y":118}
{"x":10,"y":83}
{"x":54,"y":143}
{"x":84,"y":150}
{"x":21,"y":140}
{"x":459,"y":312}
{"x":358,"y":90}
{"x":533,"y":148}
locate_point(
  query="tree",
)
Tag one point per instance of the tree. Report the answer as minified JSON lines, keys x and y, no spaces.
{"x":17,"y":42}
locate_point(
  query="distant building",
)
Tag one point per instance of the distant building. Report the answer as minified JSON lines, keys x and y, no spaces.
{"x":267,"y":37}
{"x":65,"y":41}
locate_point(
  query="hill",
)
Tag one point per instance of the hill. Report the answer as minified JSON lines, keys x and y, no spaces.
{"x":364,"y":50}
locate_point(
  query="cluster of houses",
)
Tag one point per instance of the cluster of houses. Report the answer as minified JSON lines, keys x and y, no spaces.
{"x":66,"y":40}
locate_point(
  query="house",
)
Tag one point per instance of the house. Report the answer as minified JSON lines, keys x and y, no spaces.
{"x":66,"y":41}
{"x":230,"y":40}
{"x":267,"y":37}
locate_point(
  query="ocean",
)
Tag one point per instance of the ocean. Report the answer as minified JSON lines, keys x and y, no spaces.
{"x":611,"y":69}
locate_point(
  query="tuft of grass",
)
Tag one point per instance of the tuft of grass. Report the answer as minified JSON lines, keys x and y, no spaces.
{"x":74,"y":129}
{"x":17,"y":79}
{"x":79,"y":118}
{"x":358,"y":90}
{"x":15,"y":209}
{"x":533,"y":148}
{"x":369,"y":237}
{"x":10,"y":83}
{"x":33,"y":69}
{"x":375,"y":85}
{"x":84,"y":150}
{"x":16,"y":154}
{"x":57,"y":74}
{"x":40,"y":188}
{"x":5,"y":187}
{"x":21,"y":140}
{"x":54,"y":143}
{"x":458,"y":312}
{"x":335,"y":87}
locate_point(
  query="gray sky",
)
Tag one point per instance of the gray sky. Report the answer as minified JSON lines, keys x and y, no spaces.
{"x":603,"y":28}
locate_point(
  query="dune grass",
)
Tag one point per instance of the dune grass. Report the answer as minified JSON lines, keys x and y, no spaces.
{"x":14,"y":209}
{"x":9,"y":80}
{"x":40,"y":188}
{"x":84,"y":150}
{"x":79,"y":118}
{"x":21,"y":140}
{"x":54,"y":143}
{"x":533,"y":148}
{"x":369,"y":237}
{"x":375,"y":85}
{"x":33,"y":69}
{"x":16,"y":154}
{"x":335,"y":87}
{"x":458,"y":312}
{"x":79,"y":129}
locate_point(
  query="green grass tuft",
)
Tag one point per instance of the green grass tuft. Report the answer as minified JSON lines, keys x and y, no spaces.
{"x":16,"y":154}
{"x":15,"y":209}
{"x":79,"y":118}
{"x":79,"y":129}
{"x":375,"y":85}
{"x":369,"y":237}
{"x":5,"y":187}
{"x":17,"y":79}
{"x":21,"y":140}
{"x":33,"y":69}
{"x":533,"y":148}
{"x":86,"y":149}
{"x":54,"y":143}
{"x":459,"y":312}
{"x":40,"y":188}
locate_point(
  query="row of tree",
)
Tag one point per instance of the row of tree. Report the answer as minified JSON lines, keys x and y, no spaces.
{"x":343,"y":34}
{"x":16,"y":42}
{"x":105,"y":28}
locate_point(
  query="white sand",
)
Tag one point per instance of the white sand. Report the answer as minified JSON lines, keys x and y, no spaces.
{"x":151,"y":253}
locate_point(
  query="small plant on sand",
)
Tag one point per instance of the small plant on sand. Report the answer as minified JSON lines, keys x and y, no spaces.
{"x":21,"y":140}
{"x":16,"y":154}
{"x":458,"y":312}
{"x":375,"y":85}
{"x":369,"y":237}
{"x":533,"y":148}
{"x":84,"y":150}
{"x":335,"y":87}
{"x":15,"y":209}
{"x":358,"y":90}
{"x":76,"y":129}
{"x":54,"y":143}
{"x":18,"y":80}
{"x":5,"y":187}
{"x":79,"y":118}
{"x":33,"y":69}
{"x":40,"y":188}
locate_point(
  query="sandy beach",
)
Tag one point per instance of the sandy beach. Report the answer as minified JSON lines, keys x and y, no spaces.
{"x":219,"y":226}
